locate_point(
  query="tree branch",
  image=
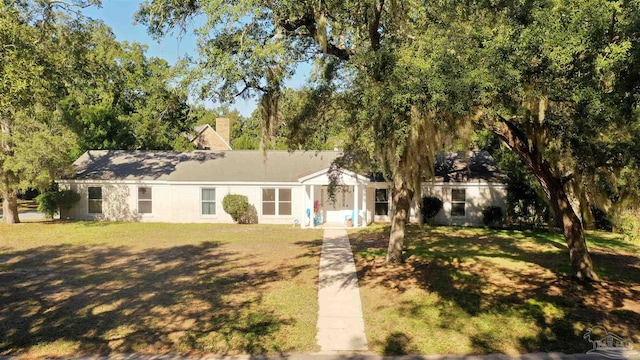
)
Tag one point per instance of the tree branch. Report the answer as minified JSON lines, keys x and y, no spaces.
{"x":374,"y":25}
{"x":294,"y":25}
{"x":245,"y":89}
{"x":514,"y":138}
{"x":309,"y":23}
{"x":612,"y":37}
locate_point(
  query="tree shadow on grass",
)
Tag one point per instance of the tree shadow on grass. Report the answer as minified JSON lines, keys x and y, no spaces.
{"x":102,"y":299}
{"x":398,"y":343}
{"x":496,"y":275}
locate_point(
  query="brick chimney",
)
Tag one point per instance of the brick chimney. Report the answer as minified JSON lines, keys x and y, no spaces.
{"x":223,"y":129}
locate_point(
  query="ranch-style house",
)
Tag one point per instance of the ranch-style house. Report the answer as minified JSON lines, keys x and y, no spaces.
{"x":282,"y":187}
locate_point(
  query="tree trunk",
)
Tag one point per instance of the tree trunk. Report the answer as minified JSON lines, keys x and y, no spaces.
{"x":419,"y":210}
{"x":10,"y":206}
{"x":588,"y":221}
{"x":581,"y":264}
{"x":9,"y":194}
{"x":401,"y":203}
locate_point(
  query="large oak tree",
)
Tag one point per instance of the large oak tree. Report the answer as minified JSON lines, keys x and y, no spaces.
{"x":248,"y":48}
{"x":66,"y":85}
{"x":38,"y":46}
{"x":553,"y":79}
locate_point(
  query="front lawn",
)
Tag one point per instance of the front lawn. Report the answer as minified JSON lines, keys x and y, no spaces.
{"x":96,"y":288}
{"x":477,"y":291}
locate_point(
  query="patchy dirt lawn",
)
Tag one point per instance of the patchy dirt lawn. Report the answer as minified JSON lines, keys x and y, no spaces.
{"x":476,"y":291}
{"x":99,"y":288}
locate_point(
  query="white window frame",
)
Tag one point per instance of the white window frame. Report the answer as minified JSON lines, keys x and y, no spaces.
{"x":277,"y":201}
{"x":89,"y":200}
{"x":214,"y":201}
{"x":464,"y":203}
{"x":376,"y":202}
{"x":149,"y":200}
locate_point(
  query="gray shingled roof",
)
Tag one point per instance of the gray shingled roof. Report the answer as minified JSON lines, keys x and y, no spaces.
{"x":465,"y":166}
{"x":252,"y":166}
{"x":198,"y":130}
{"x":235,"y":165}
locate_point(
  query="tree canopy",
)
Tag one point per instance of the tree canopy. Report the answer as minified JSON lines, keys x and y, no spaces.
{"x":553,"y":79}
{"x":66,"y":85}
{"x":33,"y":135}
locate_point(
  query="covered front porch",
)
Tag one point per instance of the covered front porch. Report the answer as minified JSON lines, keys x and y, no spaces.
{"x":348,"y":206}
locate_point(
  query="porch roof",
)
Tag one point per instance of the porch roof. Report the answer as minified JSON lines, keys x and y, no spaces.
{"x":345,"y":177}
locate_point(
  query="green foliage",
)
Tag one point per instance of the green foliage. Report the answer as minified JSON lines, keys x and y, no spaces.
{"x":48,"y":204}
{"x":40,"y":48}
{"x":314,"y":121}
{"x":492,"y":216}
{"x":628,"y":223}
{"x":181,"y":143}
{"x":556,"y":80}
{"x":129,"y":101}
{"x":52,"y":201}
{"x":67,"y":198}
{"x":601,"y":220}
{"x":431,"y":206}
{"x":246,"y":134}
{"x":66,"y":85}
{"x":236,"y":205}
{"x":526,"y":205}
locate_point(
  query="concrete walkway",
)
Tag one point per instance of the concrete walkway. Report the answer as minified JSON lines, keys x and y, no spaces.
{"x":340,"y":322}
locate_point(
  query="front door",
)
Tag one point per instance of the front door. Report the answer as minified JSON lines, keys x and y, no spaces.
{"x":342,"y":207}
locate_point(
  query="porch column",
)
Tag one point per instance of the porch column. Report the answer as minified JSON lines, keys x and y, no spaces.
{"x":303,"y":223}
{"x":365,"y":220}
{"x":313,"y":215}
{"x":356,"y":214}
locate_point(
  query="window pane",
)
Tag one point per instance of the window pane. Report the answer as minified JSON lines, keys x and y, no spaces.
{"x":144,"y":207}
{"x":457,"y":209}
{"x":381,"y":195}
{"x":208,"y":208}
{"x":268,"y":194}
{"x":208,"y":194}
{"x":268,"y":208}
{"x":382,"y":208}
{"x":285,"y":194}
{"x":285,"y":208}
{"x":144,"y":193}
{"x":95,"y":193}
{"x":458,"y":195}
{"x":95,"y":206}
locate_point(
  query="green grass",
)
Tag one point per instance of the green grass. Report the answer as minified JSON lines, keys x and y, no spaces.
{"x":69,"y":288}
{"x":478,"y":291}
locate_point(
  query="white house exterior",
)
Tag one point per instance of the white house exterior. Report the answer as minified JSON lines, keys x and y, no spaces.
{"x":282,"y":187}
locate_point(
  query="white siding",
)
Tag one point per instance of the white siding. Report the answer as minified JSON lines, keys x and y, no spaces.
{"x":176,"y":203}
{"x":181,"y":203}
{"x":478,"y":195}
